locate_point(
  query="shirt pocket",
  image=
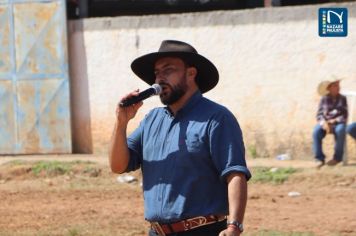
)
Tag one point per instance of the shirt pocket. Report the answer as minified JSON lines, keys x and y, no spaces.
{"x":194,"y":143}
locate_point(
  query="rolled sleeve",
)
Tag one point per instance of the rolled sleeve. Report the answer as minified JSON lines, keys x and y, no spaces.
{"x":226,"y":146}
{"x":234,"y":169}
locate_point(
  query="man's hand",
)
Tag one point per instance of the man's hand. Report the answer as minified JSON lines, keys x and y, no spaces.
{"x":328,"y":126}
{"x":332,"y":121}
{"x":230,"y":232}
{"x":125,"y":114}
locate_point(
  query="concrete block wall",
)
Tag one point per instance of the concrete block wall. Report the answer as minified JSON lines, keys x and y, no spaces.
{"x":270,"y":62}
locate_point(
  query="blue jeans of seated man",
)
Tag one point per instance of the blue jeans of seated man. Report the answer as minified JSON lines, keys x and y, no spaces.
{"x":339,"y":133}
{"x":351,"y":130}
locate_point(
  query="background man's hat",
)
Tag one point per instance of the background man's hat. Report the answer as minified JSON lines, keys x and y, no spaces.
{"x":323,"y":86}
{"x":207,"y":76}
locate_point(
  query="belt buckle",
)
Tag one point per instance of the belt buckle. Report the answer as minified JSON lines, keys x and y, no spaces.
{"x":157,"y":227}
{"x":195,"y":222}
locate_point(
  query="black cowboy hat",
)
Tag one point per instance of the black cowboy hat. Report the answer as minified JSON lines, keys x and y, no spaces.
{"x":207,"y":76}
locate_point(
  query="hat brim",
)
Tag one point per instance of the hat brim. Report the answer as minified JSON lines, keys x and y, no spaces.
{"x":207,"y":76}
{"x":323,"y":86}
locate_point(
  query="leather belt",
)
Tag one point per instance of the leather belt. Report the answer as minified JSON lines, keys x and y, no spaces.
{"x":185,"y":225}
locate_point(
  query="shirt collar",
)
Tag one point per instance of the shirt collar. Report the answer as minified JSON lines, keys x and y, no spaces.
{"x":188,"y":106}
{"x":337,"y":96}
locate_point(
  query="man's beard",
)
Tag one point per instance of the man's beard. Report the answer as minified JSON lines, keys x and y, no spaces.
{"x":176,"y":92}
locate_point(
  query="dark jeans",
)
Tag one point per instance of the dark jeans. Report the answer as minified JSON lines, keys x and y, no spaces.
{"x":351,"y":129}
{"x":339,"y":134}
{"x":208,"y":230}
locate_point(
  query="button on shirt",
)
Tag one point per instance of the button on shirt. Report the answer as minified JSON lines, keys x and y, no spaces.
{"x":185,"y":158}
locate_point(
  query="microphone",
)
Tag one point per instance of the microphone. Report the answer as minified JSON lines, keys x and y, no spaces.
{"x":155,"y":89}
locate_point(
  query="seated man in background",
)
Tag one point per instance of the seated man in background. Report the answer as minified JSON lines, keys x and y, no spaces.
{"x":351,"y":130}
{"x":332,"y":117}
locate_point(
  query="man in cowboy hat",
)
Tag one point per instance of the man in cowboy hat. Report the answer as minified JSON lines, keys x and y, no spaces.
{"x":331,"y":117}
{"x":191,"y":151}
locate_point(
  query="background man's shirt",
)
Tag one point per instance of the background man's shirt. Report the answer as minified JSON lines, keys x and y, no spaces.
{"x":333,"y":108}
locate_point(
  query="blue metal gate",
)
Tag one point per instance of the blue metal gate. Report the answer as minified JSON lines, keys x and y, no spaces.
{"x":34,"y":84}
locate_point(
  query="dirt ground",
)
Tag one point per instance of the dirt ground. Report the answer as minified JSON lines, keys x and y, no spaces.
{"x":90,"y":201}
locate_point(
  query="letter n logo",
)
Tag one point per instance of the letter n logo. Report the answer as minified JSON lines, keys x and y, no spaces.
{"x":332,"y":22}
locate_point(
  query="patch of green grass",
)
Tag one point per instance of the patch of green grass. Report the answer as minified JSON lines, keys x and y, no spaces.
{"x":253,"y":151}
{"x":73,"y":232}
{"x":271,"y":175}
{"x":52,"y":168}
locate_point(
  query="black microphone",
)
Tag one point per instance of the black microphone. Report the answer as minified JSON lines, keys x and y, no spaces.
{"x":155,"y":89}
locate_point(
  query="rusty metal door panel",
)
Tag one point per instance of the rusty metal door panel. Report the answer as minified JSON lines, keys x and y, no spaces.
{"x":7,"y":119}
{"x":35,"y":78}
{"x":43,"y":126}
{"x":5,"y":49}
{"x":39,"y":33}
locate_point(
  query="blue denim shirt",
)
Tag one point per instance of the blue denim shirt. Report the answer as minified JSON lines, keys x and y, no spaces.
{"x":185,"y":158}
